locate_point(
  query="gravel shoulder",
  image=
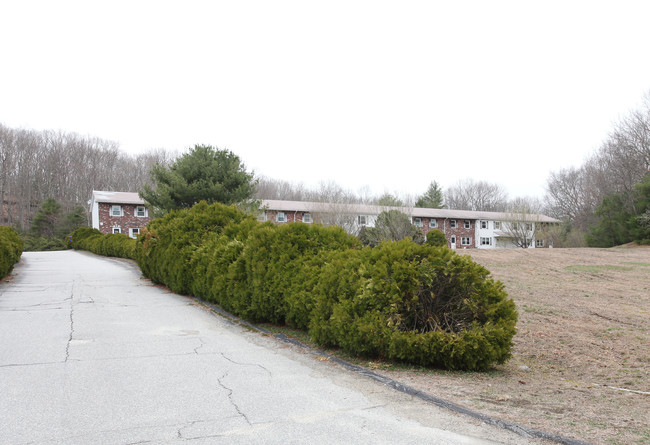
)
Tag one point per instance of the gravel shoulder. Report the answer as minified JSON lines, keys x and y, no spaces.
{"x":581,"y":357}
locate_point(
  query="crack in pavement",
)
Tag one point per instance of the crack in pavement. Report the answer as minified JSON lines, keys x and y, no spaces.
{"x":67,"y":346}
{"x":232,"y":402}
{"x":196,"y":350}
{"x":246,"y":364}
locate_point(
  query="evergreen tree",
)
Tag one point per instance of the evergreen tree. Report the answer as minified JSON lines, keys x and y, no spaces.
{"x":621,"y":222}
{"x":432,"y":199}
{"x":46,"y":220}
{"x":71,"y":221}
{"x":612,"y":229}
{"x":203,"y":174}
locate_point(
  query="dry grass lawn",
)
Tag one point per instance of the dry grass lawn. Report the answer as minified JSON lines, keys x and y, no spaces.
{"x":581,"y":357}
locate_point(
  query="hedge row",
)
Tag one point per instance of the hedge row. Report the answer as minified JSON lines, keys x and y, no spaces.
{"x":117,"y":244}
{"x":11,"y":248}
{"x":419,"y":304}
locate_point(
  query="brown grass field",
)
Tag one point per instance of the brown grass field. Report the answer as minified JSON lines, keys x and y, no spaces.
{"x":581,"y":359}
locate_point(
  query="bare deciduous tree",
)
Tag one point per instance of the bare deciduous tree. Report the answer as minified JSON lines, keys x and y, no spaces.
{"x":622,"y":160}
{"x":476,"y":195}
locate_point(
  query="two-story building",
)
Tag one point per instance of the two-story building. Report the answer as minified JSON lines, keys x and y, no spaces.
{"x":463,"y":228}
{"x":118,"y":212}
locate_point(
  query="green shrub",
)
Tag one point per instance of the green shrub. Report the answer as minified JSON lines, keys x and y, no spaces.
{"x":213,"y":264}
{"x":11,"y":248}
{"x":280,"y":265}
{"x":113,"y":244}
{"x":40,"y":244}
{"x":166,"y":247}
{"x":436,"y":238}
{"x":413,"y":303}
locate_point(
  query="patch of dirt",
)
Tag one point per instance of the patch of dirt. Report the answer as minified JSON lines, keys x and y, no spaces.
{"x":581,"y":358}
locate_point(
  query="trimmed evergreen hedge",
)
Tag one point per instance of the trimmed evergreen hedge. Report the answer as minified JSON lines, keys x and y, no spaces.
{"x":419,"y":304}
{"x":165,"y":249}
{"x":114,"y":244}
{"x":11,"y":248}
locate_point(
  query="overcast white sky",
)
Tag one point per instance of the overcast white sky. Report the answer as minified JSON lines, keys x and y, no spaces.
{"x":386,"y":94}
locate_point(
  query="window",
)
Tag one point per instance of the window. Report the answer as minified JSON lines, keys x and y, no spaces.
{"x":141,"y":211}
{"x":484,"y":224}
{"x":433,"y":223}
{"x":453,"y":240}
{"x":529,"y":226}
{"x":133,"y":233}
{"x":468,"y":224}
{"x":497,"y":225}
{"x":453,"y":224}
{"x":261,"y":217}
{"x":466,"y":241}
{"x":117,"y":230}
{"x":306,"y":218}
{"x":485,"y":241}
{"x":116,"y":211}
{"x":539,"y":243}
{"x":280,"y":217}
{"x":363,"y":220}
{"x":417,"y":222}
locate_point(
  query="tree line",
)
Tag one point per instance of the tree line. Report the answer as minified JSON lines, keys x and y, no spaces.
{"x":606,"y":195}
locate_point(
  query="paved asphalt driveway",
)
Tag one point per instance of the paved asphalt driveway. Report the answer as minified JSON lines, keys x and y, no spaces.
{"x":91,"y":352}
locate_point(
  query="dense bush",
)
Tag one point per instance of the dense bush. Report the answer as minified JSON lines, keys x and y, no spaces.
{"x":166,"y":247}
{"x":11,"y":247}
{"x":114,"y":244}
{"x":40,"y":244}
{"x":436,"y":238}
{"x":413,"y":303}
{"x":280,"y":265}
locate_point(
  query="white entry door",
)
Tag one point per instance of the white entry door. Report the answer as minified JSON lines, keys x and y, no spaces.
{"x":453,"y":241}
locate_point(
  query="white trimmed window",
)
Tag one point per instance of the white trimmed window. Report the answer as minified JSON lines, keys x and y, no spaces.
{"x":529,"y":226}
{"x":484,"y":224}
{"x":280,"y":217}
{"x":540,"y":243}
{"x":468,"y":224}
{"x":261,"y":217}
{"x":453,"y":223}
{"x":307,"y":218}
{"x":363,"y":220}
{"x":417,"y":222}
{"x":141,"y":212}
{"x":486,"y":241}
{"x":497,"y":225}
{"x":466,"y":241}
{"x":117,"y":211}
{"x":117,"y":230}
{"x":433,"y":223}
{"x":133,"y":233}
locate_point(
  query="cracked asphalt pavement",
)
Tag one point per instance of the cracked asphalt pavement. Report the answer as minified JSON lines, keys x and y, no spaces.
{"x":91,"y":352}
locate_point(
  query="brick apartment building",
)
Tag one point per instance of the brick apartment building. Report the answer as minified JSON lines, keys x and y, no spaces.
{"x":463,"y":229}
{"x":121,"y":212}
